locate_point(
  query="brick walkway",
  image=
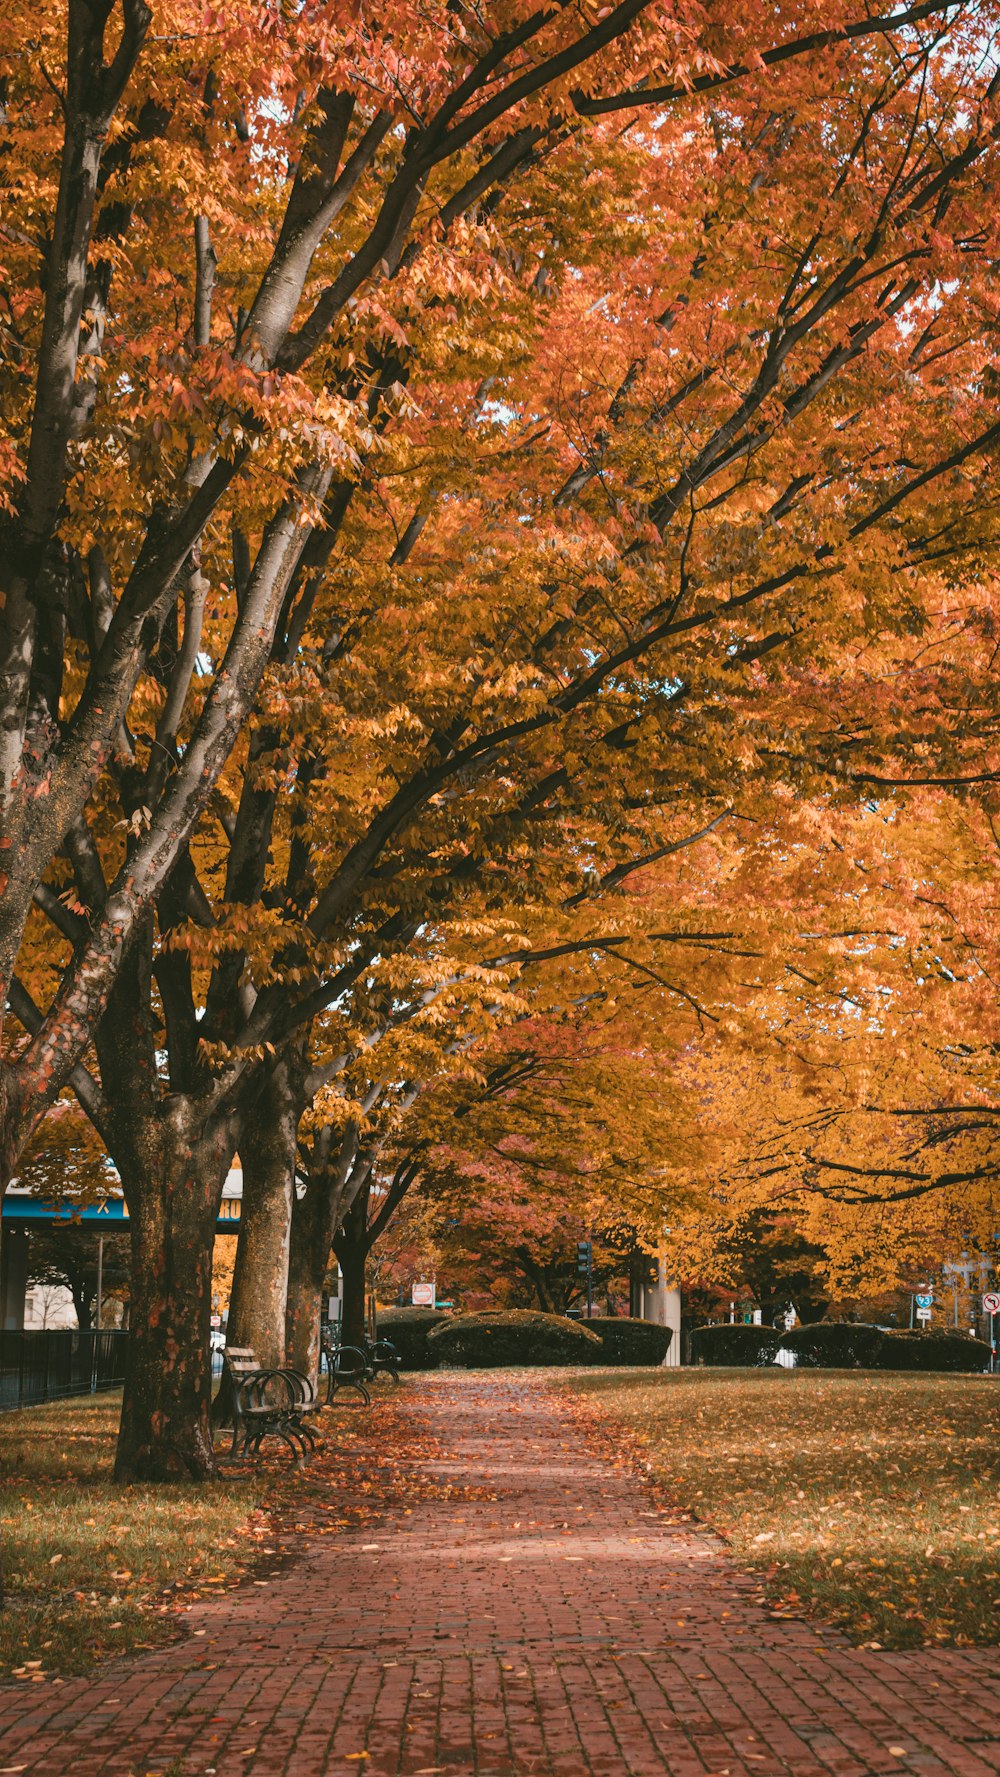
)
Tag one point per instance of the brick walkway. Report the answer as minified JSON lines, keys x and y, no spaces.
{"x":563,"y":1627}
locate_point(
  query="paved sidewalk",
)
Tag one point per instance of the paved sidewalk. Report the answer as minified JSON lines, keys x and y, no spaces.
{"x":548,"y":1621}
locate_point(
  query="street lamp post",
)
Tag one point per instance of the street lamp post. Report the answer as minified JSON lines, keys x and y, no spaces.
{"x":585,"y":1268}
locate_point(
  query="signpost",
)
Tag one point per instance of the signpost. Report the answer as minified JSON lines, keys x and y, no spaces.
{"x":424,"y":1295}
{"x":924,"y":1301}
{"x":991,"y":1306}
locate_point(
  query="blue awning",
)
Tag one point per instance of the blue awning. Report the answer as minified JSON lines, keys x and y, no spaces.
{"x":26,"y":1212}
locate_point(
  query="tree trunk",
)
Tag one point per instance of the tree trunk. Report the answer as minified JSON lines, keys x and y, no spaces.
{"x":315,"y":1216}
{"x":308,"y":1258}
{"x":83,"y":1302}
{"x":351,"y":1247}
{"x":536,"y":1276}
{"x":165,"y":1433}
{"x":260,"y":1278}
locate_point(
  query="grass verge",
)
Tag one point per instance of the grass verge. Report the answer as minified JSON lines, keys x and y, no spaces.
{"x":872,"y":1501}
{"x":92,"y":1569}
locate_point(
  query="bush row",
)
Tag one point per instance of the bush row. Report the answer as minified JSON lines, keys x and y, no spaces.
{"x":736,"y":1344}
{"x":409,"y":1329}
{"x":426,"y":1337}
{"x":513,"y":1336}
{"x":840,"y":1345}
{"x":629,"y":1342}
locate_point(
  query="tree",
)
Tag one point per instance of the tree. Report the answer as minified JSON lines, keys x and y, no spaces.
{"x":567,"y":1128}
{"x":65,"y":1166}
{"x":855,"y":1131}
{"x":251,"y":418}
{"x":66,"y":1256}
{"x":65,"y":1163}
{"x":514,"y":600}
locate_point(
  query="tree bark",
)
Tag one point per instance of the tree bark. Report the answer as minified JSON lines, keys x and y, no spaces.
{"x":537,"y":1277}
{"x":308,"y":1258}
{"x":173,"y":1204}
{"x":351,"y":1245}
{"x":83,"y":1303}
{"x":315,"y":1217}
{"x":258,"y":1302}
{"x":260,"y":1279}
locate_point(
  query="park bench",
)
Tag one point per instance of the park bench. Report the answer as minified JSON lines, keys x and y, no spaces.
{"x":270,"y":1403}
{"x":347,"y":1367}
{"x":383,"y":1357}
{"x":380,"y":1355}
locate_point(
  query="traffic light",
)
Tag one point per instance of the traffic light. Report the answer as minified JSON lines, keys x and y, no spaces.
{"x":584,"y":1258}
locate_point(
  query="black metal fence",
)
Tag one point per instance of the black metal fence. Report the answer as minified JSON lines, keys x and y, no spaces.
{"x":48,"y":1366}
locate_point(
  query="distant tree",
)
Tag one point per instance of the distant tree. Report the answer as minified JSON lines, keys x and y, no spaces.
{"x":766,"y":1257}
{"x":66,"y":1255}
{"x":65,"y":1161}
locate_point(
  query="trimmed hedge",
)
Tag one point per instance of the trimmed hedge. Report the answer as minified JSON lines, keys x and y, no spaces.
{"x":409,"y":1330}
{"x":933,"y":1351}
{"x":734,"y":1344}
{"x":847,"y":1346}
{"x":834,"y":1344}
{"x":626,"y":1341}
{"x":498,"y":1337}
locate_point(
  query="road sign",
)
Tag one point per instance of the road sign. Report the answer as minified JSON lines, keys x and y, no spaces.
{"x":923,"y":1314}
{"x":423,"y":1295}
{"x":991,"y":1302}
{"x":924,"y":1301}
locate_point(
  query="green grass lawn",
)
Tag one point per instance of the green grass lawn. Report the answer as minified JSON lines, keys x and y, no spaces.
{"x":90,"y":1568}
{"x":870,"y":1500}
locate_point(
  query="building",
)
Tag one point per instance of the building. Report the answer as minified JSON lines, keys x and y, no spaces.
{"x":36,"y":1306}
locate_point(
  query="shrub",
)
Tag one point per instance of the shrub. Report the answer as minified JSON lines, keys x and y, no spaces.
{"x":933,"y":1351}
{"x":734,"y":1344}
{"x":834,"y":1344}
{"x":629,"y":1341}
{"x":409,"y":1329}
{"x":512,"y":1336}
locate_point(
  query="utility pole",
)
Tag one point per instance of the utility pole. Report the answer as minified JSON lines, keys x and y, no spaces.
{"x":100,"y":1280}
{"x":585,"y":1268}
